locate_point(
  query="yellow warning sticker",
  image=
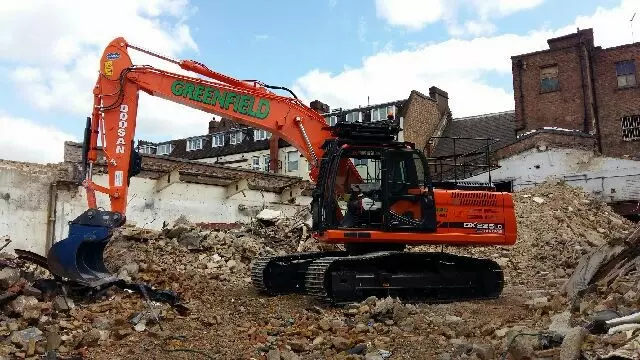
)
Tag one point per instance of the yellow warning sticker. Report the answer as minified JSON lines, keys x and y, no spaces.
{"x":108,"y":68}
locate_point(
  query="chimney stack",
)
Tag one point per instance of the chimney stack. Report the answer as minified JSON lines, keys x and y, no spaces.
{"x":212,"y":126}
{"x":319,"y":106}
{"x":441,"y":97}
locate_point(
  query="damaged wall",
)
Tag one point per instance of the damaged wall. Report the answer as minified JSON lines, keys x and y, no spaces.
{"x":148,"y":208}
{"x":24,"y":203}
{"x":25,"y":198}
{"x":611,"y":179}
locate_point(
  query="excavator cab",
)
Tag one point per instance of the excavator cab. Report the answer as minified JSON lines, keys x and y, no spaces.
{"x":393,"y":193}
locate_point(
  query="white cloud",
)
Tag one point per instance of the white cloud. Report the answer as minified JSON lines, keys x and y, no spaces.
{"x":472,"y":27}
{"x":24,"y":140}
{"x":333,"y":3}
{"x":413,"y":14}
{"x":416,"y":14}
{"x":262,"y":37}
{"x":486,"y":8}
{"x":458,"y":66}
{"x":61,"y":43}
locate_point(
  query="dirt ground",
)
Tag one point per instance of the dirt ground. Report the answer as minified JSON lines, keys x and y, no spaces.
{"x":234,"y":322}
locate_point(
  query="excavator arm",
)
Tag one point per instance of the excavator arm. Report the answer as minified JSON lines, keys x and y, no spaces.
{"x":113,"y":122}
{"x":247,"y":102}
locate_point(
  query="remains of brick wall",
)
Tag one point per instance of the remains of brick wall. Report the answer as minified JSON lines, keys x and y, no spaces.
{"x":548,"y":138}
{"x":421,"y":118}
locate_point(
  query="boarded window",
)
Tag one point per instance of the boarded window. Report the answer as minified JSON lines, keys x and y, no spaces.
{"x":626,"y":73}
{"x":549,"y":79}
{"x":631,"y":127}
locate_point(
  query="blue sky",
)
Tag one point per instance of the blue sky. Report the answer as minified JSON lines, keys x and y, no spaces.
{"x":280,"y":43}
{"x":337,"y":51}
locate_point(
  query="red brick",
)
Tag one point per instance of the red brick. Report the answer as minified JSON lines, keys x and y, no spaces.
{"x":614,"y":103}
{"x":588,"y":99}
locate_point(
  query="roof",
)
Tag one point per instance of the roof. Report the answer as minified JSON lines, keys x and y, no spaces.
{"x":248,"y":144}
{"x":209,"y":151}
{"x":499,"y":126}
{"x":224,"y":126}
{"x":339,"y":111}
{"x":154,"y":167}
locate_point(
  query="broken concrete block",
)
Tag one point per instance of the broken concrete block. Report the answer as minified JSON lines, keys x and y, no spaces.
{"x":269,"y":215}
{"x":572,"y":344}
{"x":8,"y":276}
{"x":62,"y":303}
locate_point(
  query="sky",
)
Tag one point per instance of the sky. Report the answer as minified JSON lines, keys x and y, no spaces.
{"x":341,"y":52}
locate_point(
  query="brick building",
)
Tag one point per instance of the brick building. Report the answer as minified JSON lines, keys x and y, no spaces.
{"x":576,"y":118}
{"x":578,"y":86}
{"x":232,"y":144}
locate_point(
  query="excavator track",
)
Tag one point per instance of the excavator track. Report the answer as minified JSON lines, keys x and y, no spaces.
{"x":410,"y":276}
{"x":285,"y":274}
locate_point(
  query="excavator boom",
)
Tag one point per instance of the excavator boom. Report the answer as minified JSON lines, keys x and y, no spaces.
{"x":116,"y":106}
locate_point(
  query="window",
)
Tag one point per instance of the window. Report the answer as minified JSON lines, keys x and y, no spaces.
{"x":549,"y":79}
{"x":164,"y":149}
{"x":380,"y":114}
{"x":265,"y":162}
{"x":331,"y":120}
{"x":353,"y":116}
{"x":292,"y":160}
{"x":217,"y":140}
{"x":259,"y":134}
{"x":631,"y":128}
{"x":147,"y":149}
{"x":236,"y":137}
{"x":359,"y":162}
{"x":194,"y":144}
{"x":626,"y":73}
{"x":256,"y":163}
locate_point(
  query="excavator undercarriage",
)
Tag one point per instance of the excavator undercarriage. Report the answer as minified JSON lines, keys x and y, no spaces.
{"x":341,"y":277}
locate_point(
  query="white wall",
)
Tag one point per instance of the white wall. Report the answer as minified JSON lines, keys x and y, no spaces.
{"x":24,"y":215}
{"x":24,"y":197}
{"x":611,"y":179}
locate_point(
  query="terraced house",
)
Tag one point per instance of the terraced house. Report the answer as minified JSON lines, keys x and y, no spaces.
{"x":232,"y":144}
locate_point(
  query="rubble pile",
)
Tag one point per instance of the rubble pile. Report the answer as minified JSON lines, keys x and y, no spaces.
{"x":557,"y":225}
{"x":39,"y":319}
{"x":537,"y":316}
{"x":194,"y":250}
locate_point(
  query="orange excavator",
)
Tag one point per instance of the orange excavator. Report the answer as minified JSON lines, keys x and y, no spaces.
{"x":376,"y":215}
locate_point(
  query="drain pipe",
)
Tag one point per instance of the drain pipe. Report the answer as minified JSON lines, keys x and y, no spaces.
{"x":51,"y":216}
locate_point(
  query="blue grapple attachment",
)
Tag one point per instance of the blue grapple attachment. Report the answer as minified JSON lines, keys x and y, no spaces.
{"x":80,"y":257}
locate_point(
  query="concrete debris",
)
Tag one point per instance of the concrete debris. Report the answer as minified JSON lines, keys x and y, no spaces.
{"x":561,"y":323}
{"x":572,"y":345}
{"x":269,"y":215}
{"x":62,"y":303}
